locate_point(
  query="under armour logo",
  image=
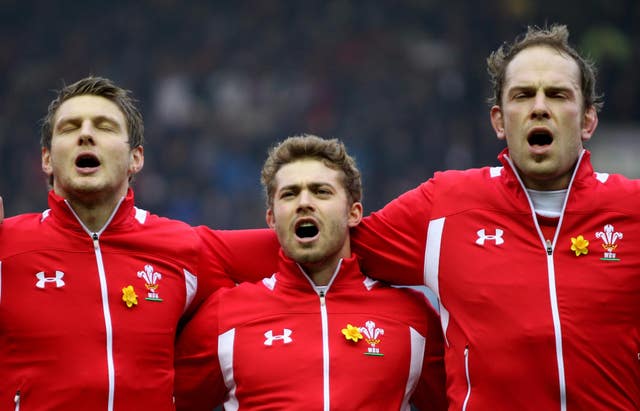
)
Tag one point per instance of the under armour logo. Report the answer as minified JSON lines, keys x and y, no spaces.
{"x":57,"y":279}
{"x":285,"y":337}
{"x":482,"y":237}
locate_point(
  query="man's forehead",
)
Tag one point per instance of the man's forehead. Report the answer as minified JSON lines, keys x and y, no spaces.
{"x":541,"y":62}
{"x":306,"y":172}
{"x":89,"y":106}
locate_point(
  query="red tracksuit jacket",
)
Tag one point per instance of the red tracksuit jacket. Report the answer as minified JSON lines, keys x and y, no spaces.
{"x":68,"y":341}
{"x":278,"y":345}
{"x":530,"y":323}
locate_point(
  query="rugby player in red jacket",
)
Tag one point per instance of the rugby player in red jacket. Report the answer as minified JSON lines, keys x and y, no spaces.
{"x":93,"y":289}
{"x":318,"y":334}
{"x":533,"y":262}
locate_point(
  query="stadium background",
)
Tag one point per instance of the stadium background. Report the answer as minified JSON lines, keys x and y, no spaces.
{"x":403,"y":83}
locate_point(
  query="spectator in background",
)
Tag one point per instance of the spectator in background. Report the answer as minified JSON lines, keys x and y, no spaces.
{"x":93,"y":289}
{"x":318,"y":334}
{"x":533,"y":263}
{"x":377,"y":73}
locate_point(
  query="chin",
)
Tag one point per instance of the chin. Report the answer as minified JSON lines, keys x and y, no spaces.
{"x":305,"y":256}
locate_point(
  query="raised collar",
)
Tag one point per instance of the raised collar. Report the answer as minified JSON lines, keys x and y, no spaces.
{"x":580,"y":178}
{"x":347,"y":275}
{"x":60,"y":212}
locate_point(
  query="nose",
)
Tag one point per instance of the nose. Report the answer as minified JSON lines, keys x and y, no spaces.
{"x":540,"y":108}
{"x":305,"y":200}
{"x":86,"y":133}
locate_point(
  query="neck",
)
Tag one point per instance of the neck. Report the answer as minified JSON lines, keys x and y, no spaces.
{"x":321,"y":272}
{"x":94,"y":214}
{"x":320,"y":276}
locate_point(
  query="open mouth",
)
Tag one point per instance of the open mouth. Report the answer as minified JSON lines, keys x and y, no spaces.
{"x":540,"y":138}
{"x":306,"y":229}
{"x":87,"y":161}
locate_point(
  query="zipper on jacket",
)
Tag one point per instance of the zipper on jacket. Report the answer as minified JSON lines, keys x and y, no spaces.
{"x":468,"y":376}
{"x":325,"y":352}
{"x":108,"y":325}
{"x":102,"y":277}
{"x":555,"y":311}
{"x":16,"y":400}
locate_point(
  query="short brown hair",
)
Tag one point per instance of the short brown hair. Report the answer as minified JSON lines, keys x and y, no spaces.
{"x":331,"y":152}
{"x":557,"y":37}
{"x":102,"y":87}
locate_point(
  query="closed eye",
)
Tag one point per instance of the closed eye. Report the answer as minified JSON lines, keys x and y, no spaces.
{"x":106,"y":125}
{"x":287,"y":194}
{"x":557,"y":94}
{"x":323,"y":191}
{"x":67,"y":129}
{"x":67,"y":126}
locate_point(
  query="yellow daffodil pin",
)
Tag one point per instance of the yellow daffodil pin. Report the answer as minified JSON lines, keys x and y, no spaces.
{"x":351,"y":333}
{"x":129,"y":296}
{"x":579,"y":245}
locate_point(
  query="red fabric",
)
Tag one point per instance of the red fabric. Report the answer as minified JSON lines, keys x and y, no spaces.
{"x":288,"y":375}
{"x":498,"y":298}
{"x":53,"y":340}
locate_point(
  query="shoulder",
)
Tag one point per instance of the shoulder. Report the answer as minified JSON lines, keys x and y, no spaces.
{"x":485,"y":175}
{"x":22,"y":229}
{"x":612,"y":190}
{"x":241,"y":304}
{"x":165,"y":230}
{"x":26,"y":233}
{"x":616,"y":181}
{"x":244,"y":296}
{"x":401,"y":299}
{"x":147,"y":219}
{"x":458,"y":182}
{"x":24,"y":220}
{"x":410,"y":296}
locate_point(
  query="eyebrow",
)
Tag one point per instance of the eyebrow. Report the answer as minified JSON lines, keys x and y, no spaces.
{"x":528,"y":87}
{"x":95,"y":120}
{"x":312,"y":186}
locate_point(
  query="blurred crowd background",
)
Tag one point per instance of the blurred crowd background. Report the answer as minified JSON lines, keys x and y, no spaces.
{"x":402,"y":82}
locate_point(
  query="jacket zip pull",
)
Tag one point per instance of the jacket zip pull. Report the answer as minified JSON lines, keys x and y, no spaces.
{"x":321,"y":295}
{"x":16,"y":400}
{"x":549,"y":248}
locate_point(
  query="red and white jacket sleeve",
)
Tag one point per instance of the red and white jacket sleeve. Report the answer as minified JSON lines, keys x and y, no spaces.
{"x":430,"y":392}
{"x":198,"y":383}
{"x":391,"y":241}
{"x":245,"y":255}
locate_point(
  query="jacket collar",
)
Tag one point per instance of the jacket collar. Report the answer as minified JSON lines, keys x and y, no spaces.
{"x":291,"y":275}
{"x":61,"y":213}
{"x":580,"y":177}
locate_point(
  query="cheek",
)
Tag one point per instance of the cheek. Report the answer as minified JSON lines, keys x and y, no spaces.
{"x":280,"y":214}
{"x":512,"y":117}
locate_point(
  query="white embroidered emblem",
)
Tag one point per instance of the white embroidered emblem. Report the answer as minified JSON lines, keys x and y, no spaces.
{"x":372,"y":337}
{"x":151,"y":282}
{"x":483,"y":236}
{"x":285,"y":337}
{"x":609,"y":239}
{"x":43,"y":279}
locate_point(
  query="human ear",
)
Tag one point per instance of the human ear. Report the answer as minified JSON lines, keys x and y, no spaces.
{"x":497,"y":121}
{"x":589,"y":123}
{"x":271,"y":221}
{"x":355,"y":214}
